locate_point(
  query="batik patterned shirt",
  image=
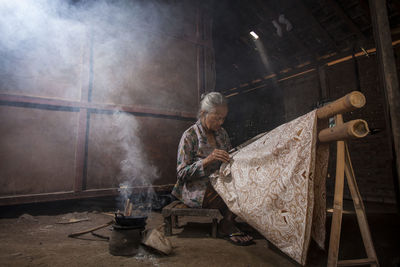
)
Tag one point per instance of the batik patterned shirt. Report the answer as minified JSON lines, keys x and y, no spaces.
{"x":193,"y":178}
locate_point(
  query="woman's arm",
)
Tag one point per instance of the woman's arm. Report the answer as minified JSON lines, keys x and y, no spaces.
{"x":216,"y":155}
{"x":188,"y":167}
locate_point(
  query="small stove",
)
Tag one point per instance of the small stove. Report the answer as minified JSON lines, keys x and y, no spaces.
{"x":126,"y":234}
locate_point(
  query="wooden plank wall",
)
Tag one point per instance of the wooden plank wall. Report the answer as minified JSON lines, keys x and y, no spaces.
{"x":277,"y":102}
{"x":57,"y":139}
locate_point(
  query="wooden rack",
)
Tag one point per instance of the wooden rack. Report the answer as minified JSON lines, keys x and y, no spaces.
{"x":340,"y":133}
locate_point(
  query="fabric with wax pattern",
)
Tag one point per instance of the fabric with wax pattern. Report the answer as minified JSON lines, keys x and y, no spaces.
{"x":277,"y":185}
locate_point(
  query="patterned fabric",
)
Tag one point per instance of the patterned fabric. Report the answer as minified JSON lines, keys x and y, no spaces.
{"x":273,"y":182}
{"x":193,"y":179}
{"x":319,"y":214}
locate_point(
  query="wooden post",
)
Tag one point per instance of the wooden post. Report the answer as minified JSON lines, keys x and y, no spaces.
{"x":83,"y":117}
{"x":387,"y":69}
{"x":360,"y":210}
{"x":175,"y":221}
{"x":168,"y":225}
{"x":214,"y":227}
{"x":343,"y":165}
{"x":200,"y":52}
{"x":336,"y":226}
{"x":80,"y":151}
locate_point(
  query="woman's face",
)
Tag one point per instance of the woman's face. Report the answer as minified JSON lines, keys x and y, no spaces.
{"x":216,"y":118}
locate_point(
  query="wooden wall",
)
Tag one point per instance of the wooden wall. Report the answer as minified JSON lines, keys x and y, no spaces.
{"x":285,"y":98}
{"x":56,"y":134}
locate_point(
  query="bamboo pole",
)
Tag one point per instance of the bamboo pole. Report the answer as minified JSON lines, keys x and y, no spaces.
{"x":349,"y":130}
{"x":353,"y":129}
{"x":347,"y":103}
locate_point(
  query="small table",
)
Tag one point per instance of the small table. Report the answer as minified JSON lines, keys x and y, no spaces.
{"x":172,"y":212}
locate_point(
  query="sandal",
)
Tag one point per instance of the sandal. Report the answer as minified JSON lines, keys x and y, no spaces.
{"x":238,"y":242}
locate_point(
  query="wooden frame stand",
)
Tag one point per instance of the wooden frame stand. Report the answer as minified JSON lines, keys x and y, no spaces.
{"x":344,"y":166}
{"x":339,"y":134}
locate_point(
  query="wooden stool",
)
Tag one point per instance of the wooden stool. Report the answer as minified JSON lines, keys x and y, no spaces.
{"x":172,"y":211}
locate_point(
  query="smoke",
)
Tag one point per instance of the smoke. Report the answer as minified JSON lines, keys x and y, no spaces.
{"x":38,"y":49}
{"x":135,"y":170}
{"x":48,"y":47}
{"x":60,"y":48}
{"x":135,"y":163}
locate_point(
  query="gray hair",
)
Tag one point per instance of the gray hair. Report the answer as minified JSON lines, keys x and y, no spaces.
{"x":210,"y":101}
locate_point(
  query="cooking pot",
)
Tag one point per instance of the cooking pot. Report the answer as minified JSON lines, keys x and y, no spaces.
{"x":134,"y":221}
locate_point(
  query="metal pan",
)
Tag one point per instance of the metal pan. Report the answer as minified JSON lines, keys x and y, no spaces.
{"x":123,"y":220}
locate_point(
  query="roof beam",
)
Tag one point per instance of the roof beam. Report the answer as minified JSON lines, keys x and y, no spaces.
{"x":271,"y":14}
{"x":315,"y":23}
{"x":342,"y":14}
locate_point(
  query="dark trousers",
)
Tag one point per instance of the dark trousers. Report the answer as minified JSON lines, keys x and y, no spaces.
{"x":213,"y":201}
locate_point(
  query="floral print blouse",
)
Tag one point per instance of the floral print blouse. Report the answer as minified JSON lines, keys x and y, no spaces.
{"x":192,"y":176}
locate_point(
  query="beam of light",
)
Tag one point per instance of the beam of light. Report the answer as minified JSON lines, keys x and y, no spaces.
{"x":263,"y":55}
{"x":266,"y":62}
{"x":255,"y":36}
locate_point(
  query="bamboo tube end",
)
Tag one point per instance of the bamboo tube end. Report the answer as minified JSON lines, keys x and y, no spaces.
{"x":359,"y":129}
{"x":357,"y":99}
{"x":349,"y":130}
{"x":347,"y":103}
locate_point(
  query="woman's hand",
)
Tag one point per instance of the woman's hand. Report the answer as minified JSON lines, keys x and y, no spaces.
{"x":216,"y":155}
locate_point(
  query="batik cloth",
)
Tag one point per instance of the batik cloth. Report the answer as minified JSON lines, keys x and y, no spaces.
{"x":277,"y":185}
{"x":193,"y":178}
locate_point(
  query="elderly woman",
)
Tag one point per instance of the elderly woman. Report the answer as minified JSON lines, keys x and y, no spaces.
{"x":202,"y":149}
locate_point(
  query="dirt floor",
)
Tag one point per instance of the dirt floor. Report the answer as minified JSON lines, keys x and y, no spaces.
{"x":39,"y":240}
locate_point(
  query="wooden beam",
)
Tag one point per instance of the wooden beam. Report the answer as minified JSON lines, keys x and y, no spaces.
{"x":273,"y":78}
{"x":69,"y":195}
{"x":357,"y":262}
{"x":388,"y":72}
{"x":80,"y":151}
{"x":304,"y":68}
{"x":342,"y":14}
{"x":42,"y":102}
{"x":316,"y":24}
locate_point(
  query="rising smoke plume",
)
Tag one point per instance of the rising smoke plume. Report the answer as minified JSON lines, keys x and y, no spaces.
{"x":135,"y":170}
{"x":51,"y":48}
